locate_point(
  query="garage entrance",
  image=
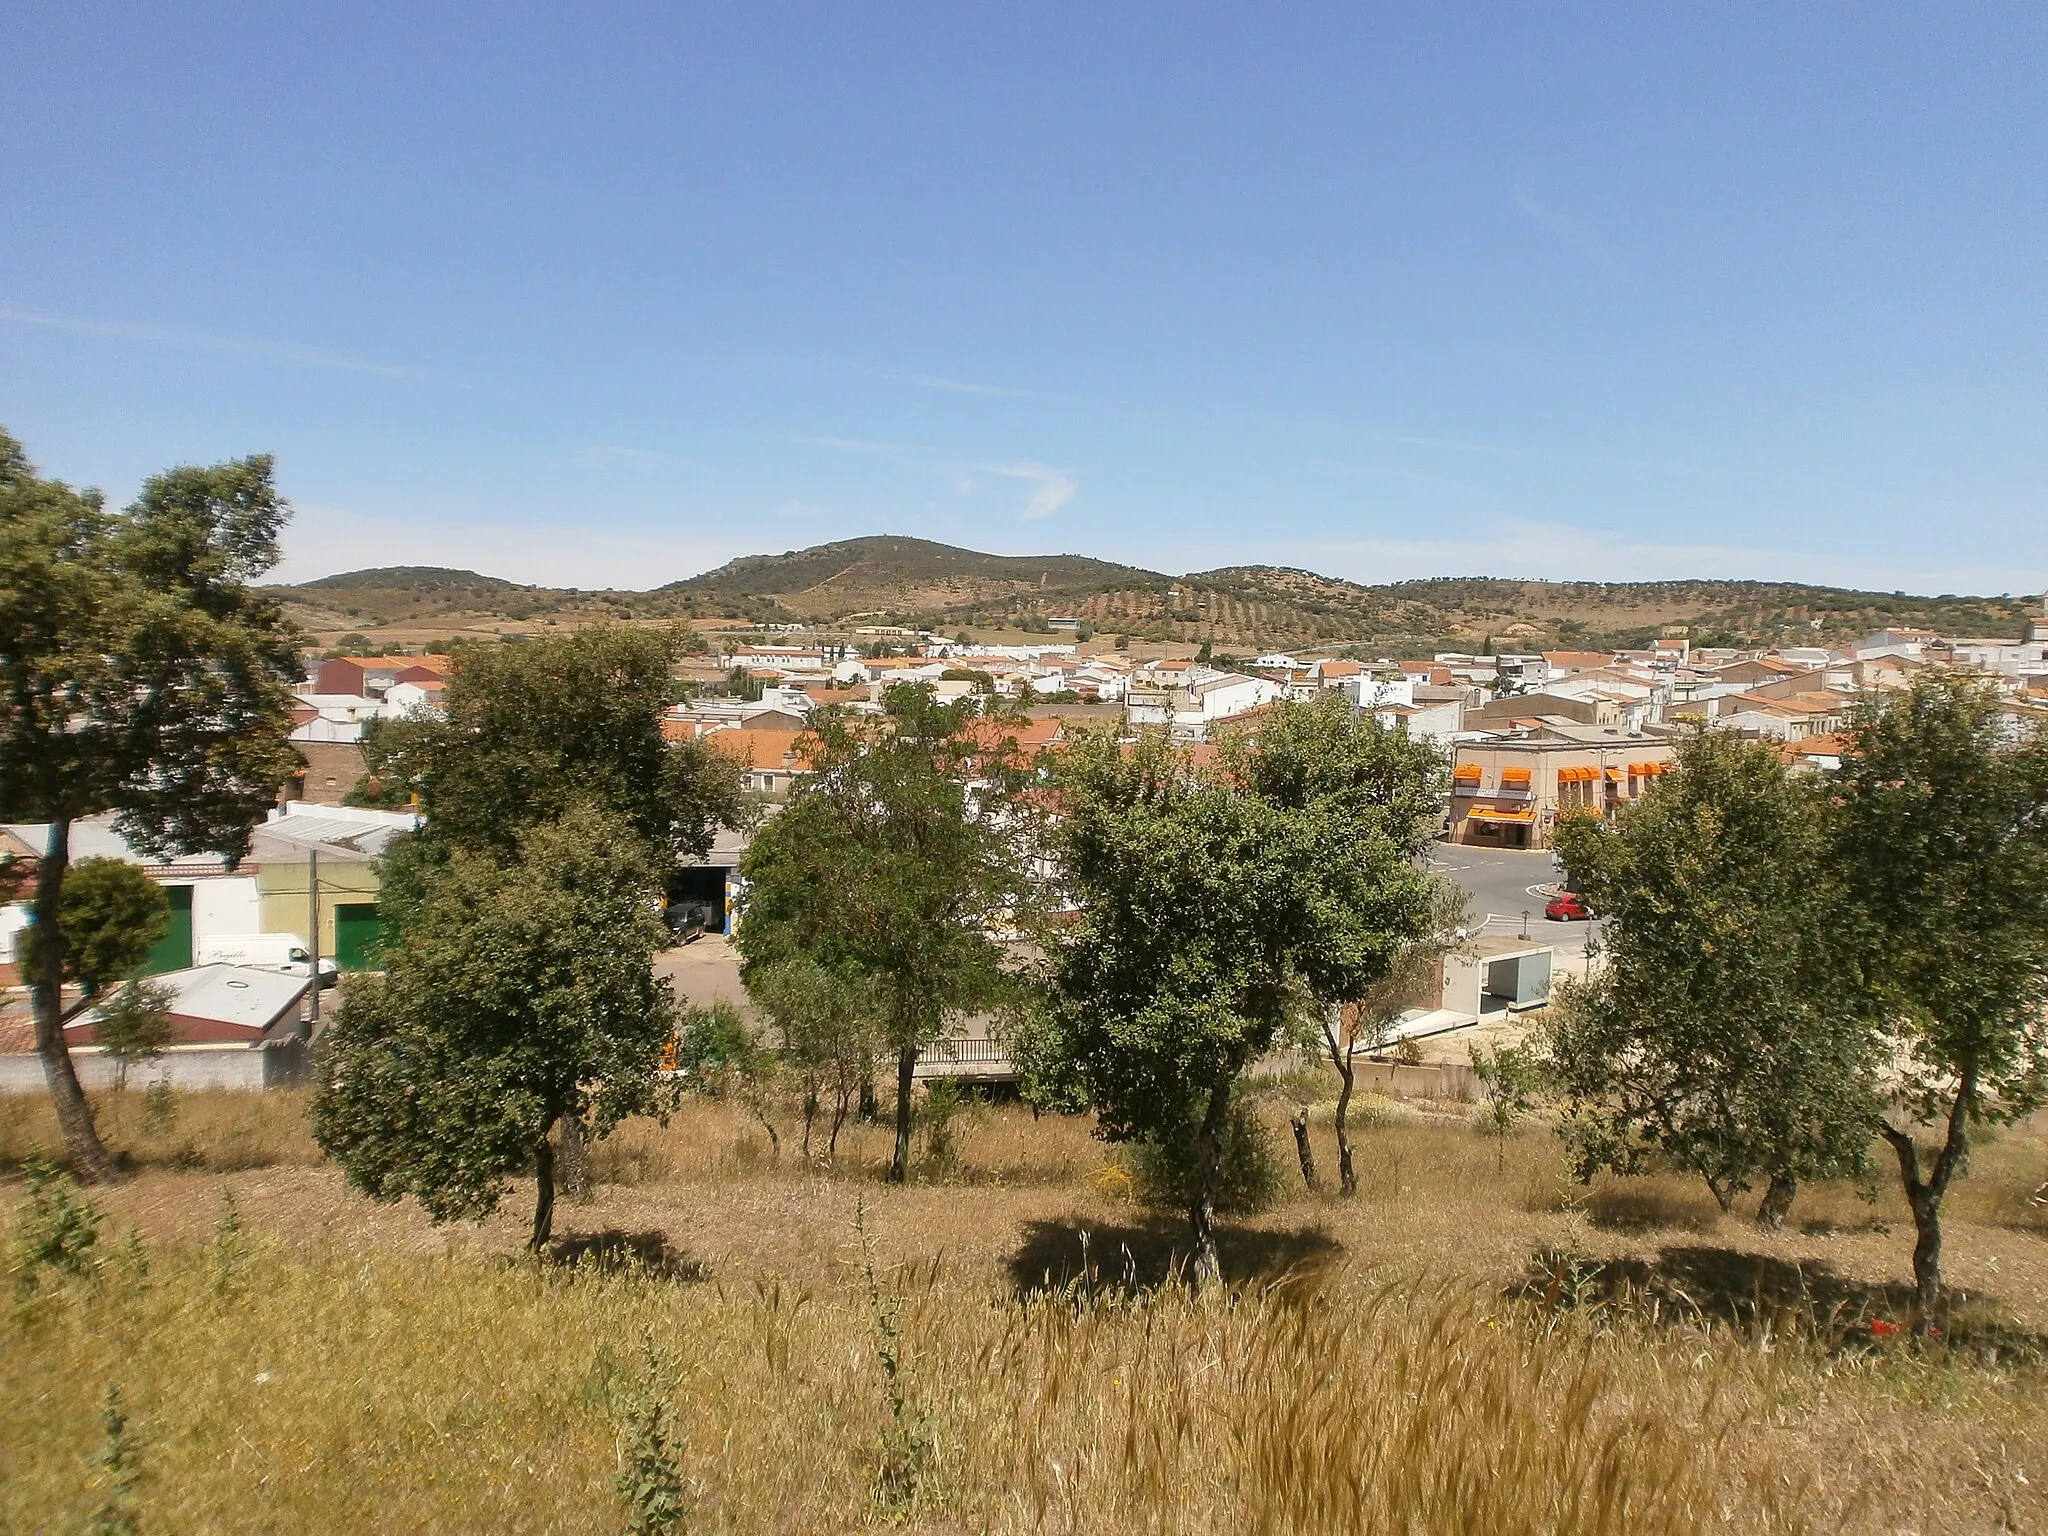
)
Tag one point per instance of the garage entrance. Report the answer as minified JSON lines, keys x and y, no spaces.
{"x":702,"y":888}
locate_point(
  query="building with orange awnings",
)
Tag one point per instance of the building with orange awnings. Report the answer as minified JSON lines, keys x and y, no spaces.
{"x":1508,"y":791}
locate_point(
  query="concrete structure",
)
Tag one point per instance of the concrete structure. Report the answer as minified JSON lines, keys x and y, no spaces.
{"x":372,"y":676}
{"x":231,"y":1027}
{"x":333,"y":768}
{"x":1189,"y":699}
{"x":264,"y":893}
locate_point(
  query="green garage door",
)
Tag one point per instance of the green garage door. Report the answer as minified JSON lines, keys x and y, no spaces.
{"x":358,"y":936}
{"x":173,"y":951}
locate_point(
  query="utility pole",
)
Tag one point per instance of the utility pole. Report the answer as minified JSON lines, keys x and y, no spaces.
{"x":313,"y":937}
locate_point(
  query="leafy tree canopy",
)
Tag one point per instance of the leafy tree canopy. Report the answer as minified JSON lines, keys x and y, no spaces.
{"x":524,"y":993}
{"x":113,"y":915}
{"x":1221,"y":903}
{"x":532,"y":730}
{"x":145,"y":676}
{"x":1720,"y":1036}
{"x":892,"y":865}
{"x":1943,"y":846}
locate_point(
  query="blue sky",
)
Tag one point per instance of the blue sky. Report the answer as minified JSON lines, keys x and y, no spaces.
{"x":607,"y":295}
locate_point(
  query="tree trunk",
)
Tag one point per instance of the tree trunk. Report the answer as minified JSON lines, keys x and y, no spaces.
{"x":906,"y":1080}
{"x":870,"y":1103}
{"x":1347,"y":1175}
{"x":1923,"y":1196}
{"x":841,"y":1101}
{"x":1724,"y":1194}
{"x":543,"y":1195}
{"x":1340,"y":1058}
{"x":760,"y":1112}
{"x":810,"y":1116}
{"x":1206,"y":1267}
{"x":1777,"y":1202}
{"x":89,"y":1161}
{"x":575,"y":1159}
{"x":1303,"y":1150}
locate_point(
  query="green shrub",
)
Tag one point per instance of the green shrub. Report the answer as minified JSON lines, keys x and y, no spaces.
{"x":1248,"y":1175}
{"x":52,"y":1231}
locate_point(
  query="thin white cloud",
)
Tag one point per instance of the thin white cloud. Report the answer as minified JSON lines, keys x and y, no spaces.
{"x":1569,"y":231}
{"x":164,"y":336}
{"x":1054,"y":487}
{"x":962,"y":386}
{"x":854,"y":445}
{"x":605,"y":453}
{"x":1000,"y":391}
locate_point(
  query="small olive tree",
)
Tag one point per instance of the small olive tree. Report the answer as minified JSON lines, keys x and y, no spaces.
{"x":829,"y":1033}
{"x":1721,"y":1037}
{"x":113,"y":916}
{"x":520,"y":993}
{"x":893,"y":866}
{"x":1942,"y":840}
{"x":1217,"y":903}
{"x":134,"y":1025}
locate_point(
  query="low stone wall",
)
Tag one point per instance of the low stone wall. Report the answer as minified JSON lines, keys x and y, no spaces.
{"x":285,"y":1064}
{"x":1447,"y":1080}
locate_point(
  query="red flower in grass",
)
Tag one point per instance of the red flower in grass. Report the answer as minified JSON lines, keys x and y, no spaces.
{"x":1880,"y":1329}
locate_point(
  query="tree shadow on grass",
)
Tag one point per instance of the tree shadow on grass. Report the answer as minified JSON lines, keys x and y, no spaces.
{"x":1690,"y":1285}
{"x":614,"y":1252}
{"x":1638,"y":1210}
{"x":1150,"y":1252}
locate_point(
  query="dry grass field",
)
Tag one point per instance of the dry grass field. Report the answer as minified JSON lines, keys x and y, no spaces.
{"x":1472,"y":1345}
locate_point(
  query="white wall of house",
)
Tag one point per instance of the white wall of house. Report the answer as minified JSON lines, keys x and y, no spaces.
{"x":13,"y":923}
{"x":1234,"y":695}
{"x":246,"y":1068}
{"x":226,"y":908}
{"x":1758,"y":722}
{"x":1369,"y":692}
{"x":1436,"y":722}
{"x":413,"y":698}
{"x":324,"y":729}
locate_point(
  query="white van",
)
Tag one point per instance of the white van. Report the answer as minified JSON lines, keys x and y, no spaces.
{"x":282,"y":952}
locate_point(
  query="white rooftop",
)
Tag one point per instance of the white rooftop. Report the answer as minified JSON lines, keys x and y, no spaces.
{"x":235,"y":995}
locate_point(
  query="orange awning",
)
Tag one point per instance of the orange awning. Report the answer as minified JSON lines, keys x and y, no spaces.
{"x":1615,"y":775}
{"x":1514,"y":775}
{"x":1481,"y":813}
{"x":1467,"y":771}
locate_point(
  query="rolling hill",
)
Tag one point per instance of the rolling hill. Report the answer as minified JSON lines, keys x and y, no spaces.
{"x":830,"y":580}
{"x":892,"y":579}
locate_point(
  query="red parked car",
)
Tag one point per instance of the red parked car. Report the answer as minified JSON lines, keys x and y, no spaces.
{"x":1569,"y":907}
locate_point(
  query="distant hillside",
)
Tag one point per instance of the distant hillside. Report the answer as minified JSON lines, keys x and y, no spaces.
{"x":413,"y":578}
{"x":900,"y":573}
{"x":889,"y":579}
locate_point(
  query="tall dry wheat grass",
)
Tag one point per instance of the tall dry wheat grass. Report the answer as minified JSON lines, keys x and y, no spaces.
{"x":282,"y":1381}
{"x":343,"y":1393}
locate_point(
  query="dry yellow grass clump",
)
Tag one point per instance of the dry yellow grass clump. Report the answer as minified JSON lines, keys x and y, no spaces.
{"x":268,"y":1390}
{"x":1470,"y":1346}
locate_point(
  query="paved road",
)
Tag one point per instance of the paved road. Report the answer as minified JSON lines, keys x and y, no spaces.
{"x":705,"y":969}
{"x":1499,"y":882}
